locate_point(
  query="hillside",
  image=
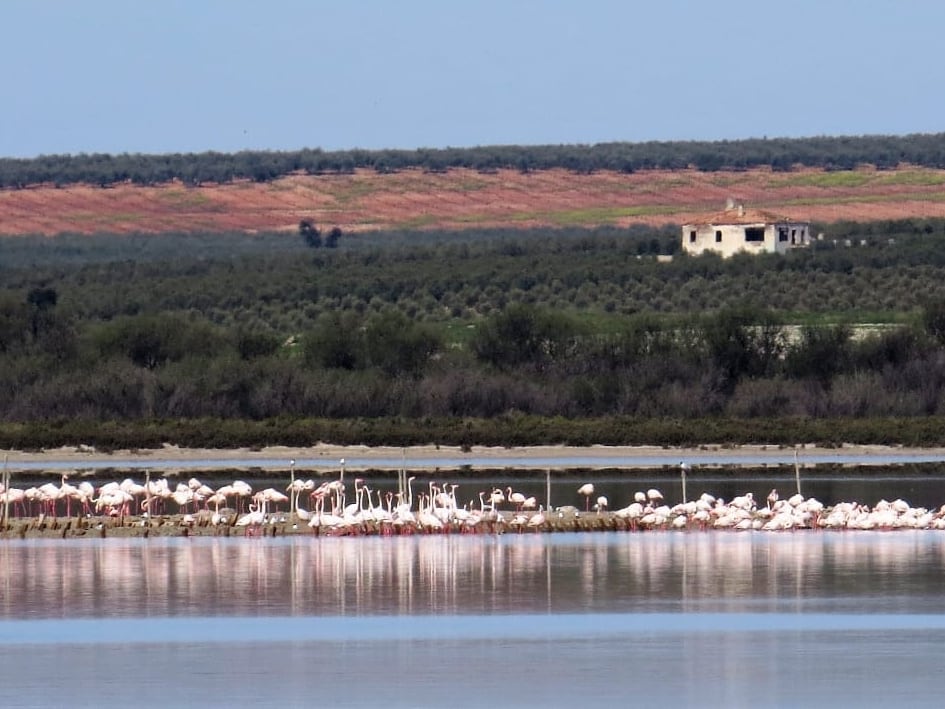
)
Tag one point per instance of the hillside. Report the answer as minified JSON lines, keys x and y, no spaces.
{"x":463,"y":197}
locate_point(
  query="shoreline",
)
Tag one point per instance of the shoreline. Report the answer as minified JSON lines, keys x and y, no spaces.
{"x":393,"y":457}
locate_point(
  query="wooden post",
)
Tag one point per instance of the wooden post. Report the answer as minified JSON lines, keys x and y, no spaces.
{"x":147,"y":493}
{"x":797,"y":473}
{"x":6,"y":493}
{"x":548,"y":489}
{"x":402,"y":474}
{"x":292,"y":486}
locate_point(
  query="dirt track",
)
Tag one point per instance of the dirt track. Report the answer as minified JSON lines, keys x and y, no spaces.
{"x":465,"y":198}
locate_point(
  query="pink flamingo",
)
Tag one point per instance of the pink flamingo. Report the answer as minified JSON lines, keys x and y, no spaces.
{"x":587,"y":489}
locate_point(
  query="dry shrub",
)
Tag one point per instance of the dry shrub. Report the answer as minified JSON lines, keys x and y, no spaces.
{"x":754,"y":398}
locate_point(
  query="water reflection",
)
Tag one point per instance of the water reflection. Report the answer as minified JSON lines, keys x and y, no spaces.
{"x":443,"y":575}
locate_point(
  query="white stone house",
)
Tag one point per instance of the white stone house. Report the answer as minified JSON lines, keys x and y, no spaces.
{"x":751,"y":230}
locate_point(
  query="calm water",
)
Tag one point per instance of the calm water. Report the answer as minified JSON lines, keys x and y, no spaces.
{"x":647,"y":619}
{"x":519,"y":460}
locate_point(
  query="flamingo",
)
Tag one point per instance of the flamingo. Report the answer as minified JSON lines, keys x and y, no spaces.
{"x":183,"y":496}
{"x":538,"y":519}
{"x":33,"y":498}
{"x":16,"y":497}
{"x":85,"y":494}
{"x":772,"y":497}
{"x":241,"y":490}
{"x":156,"y":490}
{"x":217,"y":499}
{"x":402,"y":514}
{"x":427,"y":519}
{"x":380,"y":513}
{"x":443,"y":497}
{"x":517,"y":499}
{"x":202,"y":494}
{"x":587,"y":489}
{"x":632,"y":513}
{"x":113,"y":501}
{"x":320,"y":518}
{"x":296,"y":488}
{"x":442,"y":506}
{"x":69,"y":492}
{"x":252,"y":520}
{"x":496,"y":497}
{"x":337,"y":488}
{"x":272,"y":495}
{"x":49,"y":495}
{"x":654,"y":495}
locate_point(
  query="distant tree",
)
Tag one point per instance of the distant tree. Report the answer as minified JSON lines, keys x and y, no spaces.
{"x":398,"y":346}
{"x":42,"y":298}
{"x":14,"y":323}
{"x":933,"y":319}
{"x":331,"y":241}
{"x":523,"y":334}
{"x":252,"y":344}
{"x":146,"y":341}
{"x":729,"y":341}
{"x":150,"y":341}
{"x":821,"y":353}
{"x":309,"y":232}
{"x":744,"y":342}
{"x":59,"y":340}
{"x":43,"y":301}
{"x":709,"y":161}
{"x":896,"y":347}
{"x":333,"y":343}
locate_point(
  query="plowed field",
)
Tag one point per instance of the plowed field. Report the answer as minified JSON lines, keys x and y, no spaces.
{"x":465,"y":198}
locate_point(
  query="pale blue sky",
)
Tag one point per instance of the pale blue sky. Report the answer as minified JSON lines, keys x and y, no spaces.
{"x":192,"y":75}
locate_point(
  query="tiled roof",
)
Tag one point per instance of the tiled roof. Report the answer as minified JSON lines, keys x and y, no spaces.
{"x":744,"y":216}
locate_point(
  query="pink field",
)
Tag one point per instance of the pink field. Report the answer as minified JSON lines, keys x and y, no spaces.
{"x":464,"y":198}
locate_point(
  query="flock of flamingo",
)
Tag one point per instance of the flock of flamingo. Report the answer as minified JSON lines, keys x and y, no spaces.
{"x":325,"y":508}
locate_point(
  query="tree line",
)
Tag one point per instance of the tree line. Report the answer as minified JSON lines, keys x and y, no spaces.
{"x":831,"y":153}
{"x":279,"y":284}
{"x":739,"y":363}
{"x":581,"y":324}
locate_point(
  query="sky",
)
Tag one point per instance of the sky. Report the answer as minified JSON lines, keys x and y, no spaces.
{"x":121,"y":76}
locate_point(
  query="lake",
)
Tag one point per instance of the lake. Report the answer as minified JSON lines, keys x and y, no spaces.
{"x":632,"y":619}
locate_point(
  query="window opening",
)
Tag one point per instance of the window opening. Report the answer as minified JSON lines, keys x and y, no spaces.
{"x":754,"y":233}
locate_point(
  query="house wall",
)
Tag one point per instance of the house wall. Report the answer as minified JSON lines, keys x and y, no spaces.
{"x":729,"y":239}
{"x":791,"y":235}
